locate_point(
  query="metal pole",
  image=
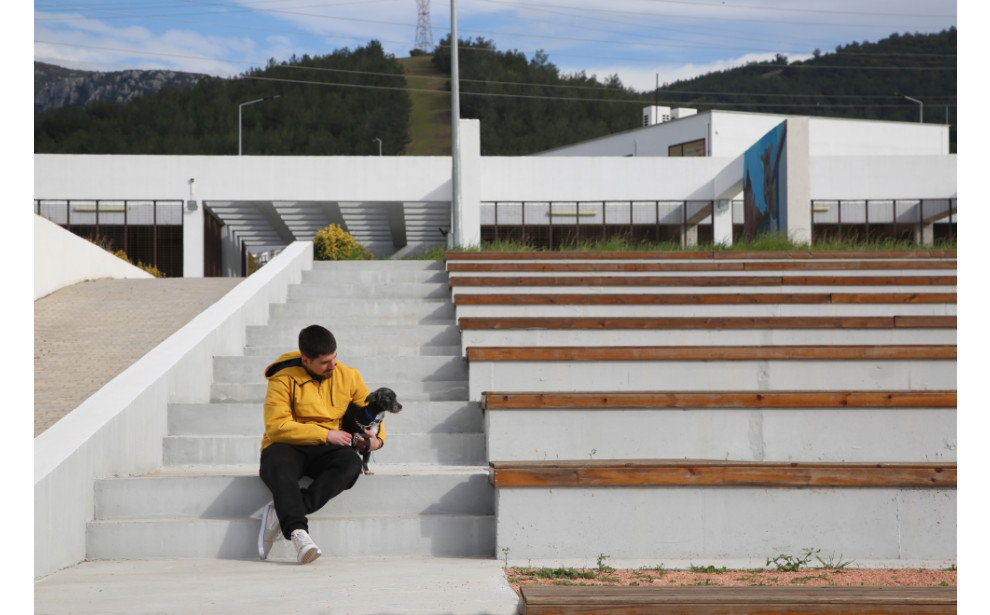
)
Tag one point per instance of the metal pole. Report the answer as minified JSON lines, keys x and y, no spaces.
{"x":379,"y":145}
{"x":454,"y":237}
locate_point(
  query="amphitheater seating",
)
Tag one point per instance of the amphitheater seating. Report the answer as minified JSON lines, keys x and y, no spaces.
{"x":715,"y":405}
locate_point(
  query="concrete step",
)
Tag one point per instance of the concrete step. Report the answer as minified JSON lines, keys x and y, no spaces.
{"x":778,"y":434}
{"x":369,"y":277}
{"x":362,"y":292}
{"x":359,"y":336}
{"x":396,"y":369}
{"x":405,"y":350}
{"x":246,"y":419}
{"x":344,"y":536}
{"x":406,"y":311}
{"x":205,"y":494}
{"x":436,"y":448}
{"x":707,"y":310}
{"x":378,"y":265}
{"x":713,"y":375}
{"x":703,"y":337}
{"x":440,"y":390}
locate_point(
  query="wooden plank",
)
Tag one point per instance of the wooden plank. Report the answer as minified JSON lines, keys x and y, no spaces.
{"x":682,"y":473}
{"x":699,"y":299}
{"x":726,"y":399}
{"x":633,"y":267}
{"x":641,"y":299}
{"x":706,"y":322}
{"x":738,"y":600}
{"x":702,"y":281}
{"x":709,"y":353}
{"x":925,"y":322}
{"x":893,"y":298}
{"x":699,"y":254}
{"x":901,"y":280}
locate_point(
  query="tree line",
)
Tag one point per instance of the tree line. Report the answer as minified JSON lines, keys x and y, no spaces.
{"x":525,"y":104}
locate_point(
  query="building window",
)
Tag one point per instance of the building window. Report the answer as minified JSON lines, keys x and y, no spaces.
{"x":691,"y":148}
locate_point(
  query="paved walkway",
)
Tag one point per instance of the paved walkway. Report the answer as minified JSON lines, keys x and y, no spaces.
{"x":87,"y":333}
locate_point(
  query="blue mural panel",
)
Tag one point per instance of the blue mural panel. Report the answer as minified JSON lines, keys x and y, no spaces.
{"x":765,"y":209}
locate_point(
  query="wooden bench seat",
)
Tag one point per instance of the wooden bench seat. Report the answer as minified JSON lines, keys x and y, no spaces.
{"x":494,"y":400}
{"x":700,"y":255}
{"x":710,"y":353}
{"x":702,"y":281}
{"x":706,"y":472}
{"x":688,"y":266}
{"x":833,"y":600}
{"x":715,"y":322}
{"x":701,"y":299}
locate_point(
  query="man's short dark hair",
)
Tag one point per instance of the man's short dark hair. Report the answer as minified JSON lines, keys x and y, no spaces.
{"x":316,"y":341}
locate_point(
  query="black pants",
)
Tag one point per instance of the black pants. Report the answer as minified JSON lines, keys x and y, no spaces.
{"x":333,"y":469}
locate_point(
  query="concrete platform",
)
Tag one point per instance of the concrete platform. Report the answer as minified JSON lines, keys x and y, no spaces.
{"x":336,"y":586}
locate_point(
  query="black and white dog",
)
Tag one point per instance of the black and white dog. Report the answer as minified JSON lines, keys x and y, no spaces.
{"x":359,"y":418}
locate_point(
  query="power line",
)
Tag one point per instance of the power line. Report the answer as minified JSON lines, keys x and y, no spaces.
{"x":640,"y":101}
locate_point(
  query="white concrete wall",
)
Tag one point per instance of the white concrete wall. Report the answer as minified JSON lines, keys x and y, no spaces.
{"x":244,"y":178}
{"x":119,"y":430}
{"x":883,"y":177}
{"x":61,"y":259}
{"x":730,"y":133}
{"x":599,"y":178}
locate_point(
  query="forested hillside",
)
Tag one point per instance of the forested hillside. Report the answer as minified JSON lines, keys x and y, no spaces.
{"x":307,"y":118}
{"x":525,"y":105}
{"x":529,"y":106}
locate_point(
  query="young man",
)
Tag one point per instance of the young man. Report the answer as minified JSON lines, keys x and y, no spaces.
{"x":308,"y":393}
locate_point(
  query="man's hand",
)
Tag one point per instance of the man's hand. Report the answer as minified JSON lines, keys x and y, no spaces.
{"x":373,"y":441}
{"x":340,"y":438}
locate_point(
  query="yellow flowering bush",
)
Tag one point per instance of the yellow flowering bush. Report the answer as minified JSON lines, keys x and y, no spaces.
{"x":335,"y":244}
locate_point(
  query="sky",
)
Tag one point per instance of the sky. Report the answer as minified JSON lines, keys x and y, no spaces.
{"x":641,"y":41}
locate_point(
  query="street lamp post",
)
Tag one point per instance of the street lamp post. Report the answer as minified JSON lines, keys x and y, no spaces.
{"x":240,"y":107}
{"x":921,"y":106}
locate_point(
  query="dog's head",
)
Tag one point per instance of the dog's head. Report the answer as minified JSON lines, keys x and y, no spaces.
{"x":384,"y":400}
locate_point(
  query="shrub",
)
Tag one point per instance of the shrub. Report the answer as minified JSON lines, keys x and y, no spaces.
{"x":335,"y":244}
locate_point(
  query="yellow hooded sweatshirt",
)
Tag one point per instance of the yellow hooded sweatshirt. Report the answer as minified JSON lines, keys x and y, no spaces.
{"x":300,"y":409}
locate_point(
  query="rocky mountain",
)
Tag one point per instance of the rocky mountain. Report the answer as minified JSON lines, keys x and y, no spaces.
{"x":55,"y":86}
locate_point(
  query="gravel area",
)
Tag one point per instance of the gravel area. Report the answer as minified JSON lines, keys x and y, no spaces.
{"x":658,"y":577}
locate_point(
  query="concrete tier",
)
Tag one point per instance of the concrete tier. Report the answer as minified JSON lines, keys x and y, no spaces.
{"x":703,"y":337}
{"x":715,"y":375}
{"x":713,"y":523}
{"x":779,"y":434}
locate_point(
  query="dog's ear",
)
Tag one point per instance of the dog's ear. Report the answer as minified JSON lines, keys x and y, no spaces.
{"x":376,"y":397}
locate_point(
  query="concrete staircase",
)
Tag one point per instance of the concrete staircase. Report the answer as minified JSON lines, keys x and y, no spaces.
{"x":430,"y":494}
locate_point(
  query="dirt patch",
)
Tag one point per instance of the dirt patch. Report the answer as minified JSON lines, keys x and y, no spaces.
{"x":660,"y":577}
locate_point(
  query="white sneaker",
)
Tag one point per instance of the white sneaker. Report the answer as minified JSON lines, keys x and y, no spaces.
{"x":306,"y":549}
{"x":270,"y":530}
